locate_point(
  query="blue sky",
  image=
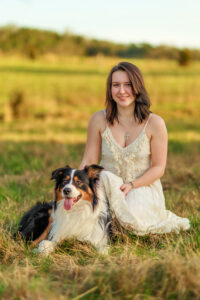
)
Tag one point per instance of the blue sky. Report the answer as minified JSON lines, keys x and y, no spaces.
{"x":172,"y":22}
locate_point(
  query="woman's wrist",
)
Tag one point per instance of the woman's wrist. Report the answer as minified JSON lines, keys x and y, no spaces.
{"x":132,"y":184}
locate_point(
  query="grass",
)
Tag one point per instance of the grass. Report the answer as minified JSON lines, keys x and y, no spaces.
{"x":59,"y":95}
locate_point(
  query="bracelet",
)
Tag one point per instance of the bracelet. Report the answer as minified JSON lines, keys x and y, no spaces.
{"x":132,"y":185}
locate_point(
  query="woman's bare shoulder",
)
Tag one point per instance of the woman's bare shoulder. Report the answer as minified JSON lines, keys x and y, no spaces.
{"x":156,"y":124}
{"x":98,"y":120}
{"x":156,"y":120}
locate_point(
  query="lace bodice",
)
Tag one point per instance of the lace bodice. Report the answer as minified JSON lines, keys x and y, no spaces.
{"x":129,"y":162}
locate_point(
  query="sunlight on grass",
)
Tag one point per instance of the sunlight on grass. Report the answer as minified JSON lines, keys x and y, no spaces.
{"x":58,"y":96}
{"x":186,"y":136}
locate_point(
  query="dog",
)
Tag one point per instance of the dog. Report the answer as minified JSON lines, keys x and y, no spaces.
{"x":77,"y":211}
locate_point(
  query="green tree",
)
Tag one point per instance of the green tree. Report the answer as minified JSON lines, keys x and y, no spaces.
{"x":184,"y":57}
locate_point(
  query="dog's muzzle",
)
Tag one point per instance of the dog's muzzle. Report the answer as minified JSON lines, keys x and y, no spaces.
{"x":71,"y":196}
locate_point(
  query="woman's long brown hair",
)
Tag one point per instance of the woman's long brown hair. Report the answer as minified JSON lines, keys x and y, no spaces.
{"x":142,"y":102}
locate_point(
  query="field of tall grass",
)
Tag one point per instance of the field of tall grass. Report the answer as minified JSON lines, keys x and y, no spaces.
{"x":45,"y":106}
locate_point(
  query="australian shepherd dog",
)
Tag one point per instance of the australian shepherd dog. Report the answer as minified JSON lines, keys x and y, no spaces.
{"x":78,"y":211}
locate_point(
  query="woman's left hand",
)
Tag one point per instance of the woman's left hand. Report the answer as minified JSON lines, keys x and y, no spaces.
{"x":125,"y":188}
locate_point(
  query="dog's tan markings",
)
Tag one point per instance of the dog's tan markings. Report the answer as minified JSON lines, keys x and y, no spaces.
{"x":45,"y":233}
{"x":93,"y":172}
{"x":86,"y":195}
{"x":59,"y":195}
{"x":67,"y":177}
{"x":76,"y":179}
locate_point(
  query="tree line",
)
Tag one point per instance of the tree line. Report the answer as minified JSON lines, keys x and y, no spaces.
{"x":34,"y":42}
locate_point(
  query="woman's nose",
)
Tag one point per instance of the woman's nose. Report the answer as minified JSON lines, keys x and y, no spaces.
{"x":122,"y":90}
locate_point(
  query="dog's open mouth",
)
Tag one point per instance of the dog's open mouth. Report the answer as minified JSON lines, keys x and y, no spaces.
{"x":69,"y":202}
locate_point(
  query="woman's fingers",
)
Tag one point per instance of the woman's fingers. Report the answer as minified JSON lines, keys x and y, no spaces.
{"x":123,"y":187}
{"x":126,"y":191}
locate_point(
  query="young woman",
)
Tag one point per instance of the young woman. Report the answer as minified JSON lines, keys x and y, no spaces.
{"x":132,"y":143}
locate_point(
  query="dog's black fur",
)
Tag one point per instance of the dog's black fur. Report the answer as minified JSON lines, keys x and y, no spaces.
{"x":35,"y":221}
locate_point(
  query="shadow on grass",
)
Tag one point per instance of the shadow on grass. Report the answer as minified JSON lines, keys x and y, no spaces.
{"x":184,"y":147}
{"x":65,"y":71}
{"x":50,"y":71}
{"x":19,"y":157}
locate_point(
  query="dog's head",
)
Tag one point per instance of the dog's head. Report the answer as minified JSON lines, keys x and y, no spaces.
{"x":73,"y":185}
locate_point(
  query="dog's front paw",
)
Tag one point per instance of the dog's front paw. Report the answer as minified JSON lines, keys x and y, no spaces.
{"x":45,"y":247}
{"x":103,"y":250}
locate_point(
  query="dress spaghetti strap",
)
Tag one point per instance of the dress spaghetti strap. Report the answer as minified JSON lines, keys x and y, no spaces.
{"x":147,"y":121}
{"x":104,"y":112}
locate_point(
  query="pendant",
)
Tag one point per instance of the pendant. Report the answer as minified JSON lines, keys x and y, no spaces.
{"x":127,"y":135}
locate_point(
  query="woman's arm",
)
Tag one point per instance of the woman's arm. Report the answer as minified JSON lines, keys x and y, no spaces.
{"x":157,"y":131}
{"x":93,"y":143}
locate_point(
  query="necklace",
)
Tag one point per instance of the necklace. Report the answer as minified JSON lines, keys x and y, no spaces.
{"x":127,"y":134}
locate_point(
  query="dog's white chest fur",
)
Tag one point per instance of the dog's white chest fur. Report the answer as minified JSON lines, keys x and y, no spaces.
{"x":78,"y":222}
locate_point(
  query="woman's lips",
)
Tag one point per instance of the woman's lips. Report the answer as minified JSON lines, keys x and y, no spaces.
{"x":122,"y":98}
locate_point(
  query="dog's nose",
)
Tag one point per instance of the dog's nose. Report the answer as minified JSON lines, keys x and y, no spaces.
{"x":66,"y":190}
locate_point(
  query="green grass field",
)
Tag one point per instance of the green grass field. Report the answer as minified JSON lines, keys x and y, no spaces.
{"x":46,"y":129}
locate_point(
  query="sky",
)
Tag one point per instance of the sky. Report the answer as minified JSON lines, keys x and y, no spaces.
{"x":171,"y":22}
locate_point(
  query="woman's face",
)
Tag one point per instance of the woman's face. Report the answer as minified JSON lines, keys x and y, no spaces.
{"x":121,"y":89}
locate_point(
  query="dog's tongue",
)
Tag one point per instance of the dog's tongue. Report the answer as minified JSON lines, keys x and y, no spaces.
{"x":68,"y":203}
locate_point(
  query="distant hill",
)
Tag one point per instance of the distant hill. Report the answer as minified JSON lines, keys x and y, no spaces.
{"x":35,"y":42}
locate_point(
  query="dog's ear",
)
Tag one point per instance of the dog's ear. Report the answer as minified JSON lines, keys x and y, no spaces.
{"x":58,"y":172}
{"x":93,"y":171}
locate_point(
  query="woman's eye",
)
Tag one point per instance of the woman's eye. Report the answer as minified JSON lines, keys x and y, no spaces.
{"x":128,"y":84}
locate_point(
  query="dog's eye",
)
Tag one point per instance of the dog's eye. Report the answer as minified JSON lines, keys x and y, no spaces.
{"x":65,"y":181}
{"x":78,"y":182}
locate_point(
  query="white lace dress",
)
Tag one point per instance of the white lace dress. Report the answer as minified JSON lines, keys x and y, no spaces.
{"x":143,"y":208}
